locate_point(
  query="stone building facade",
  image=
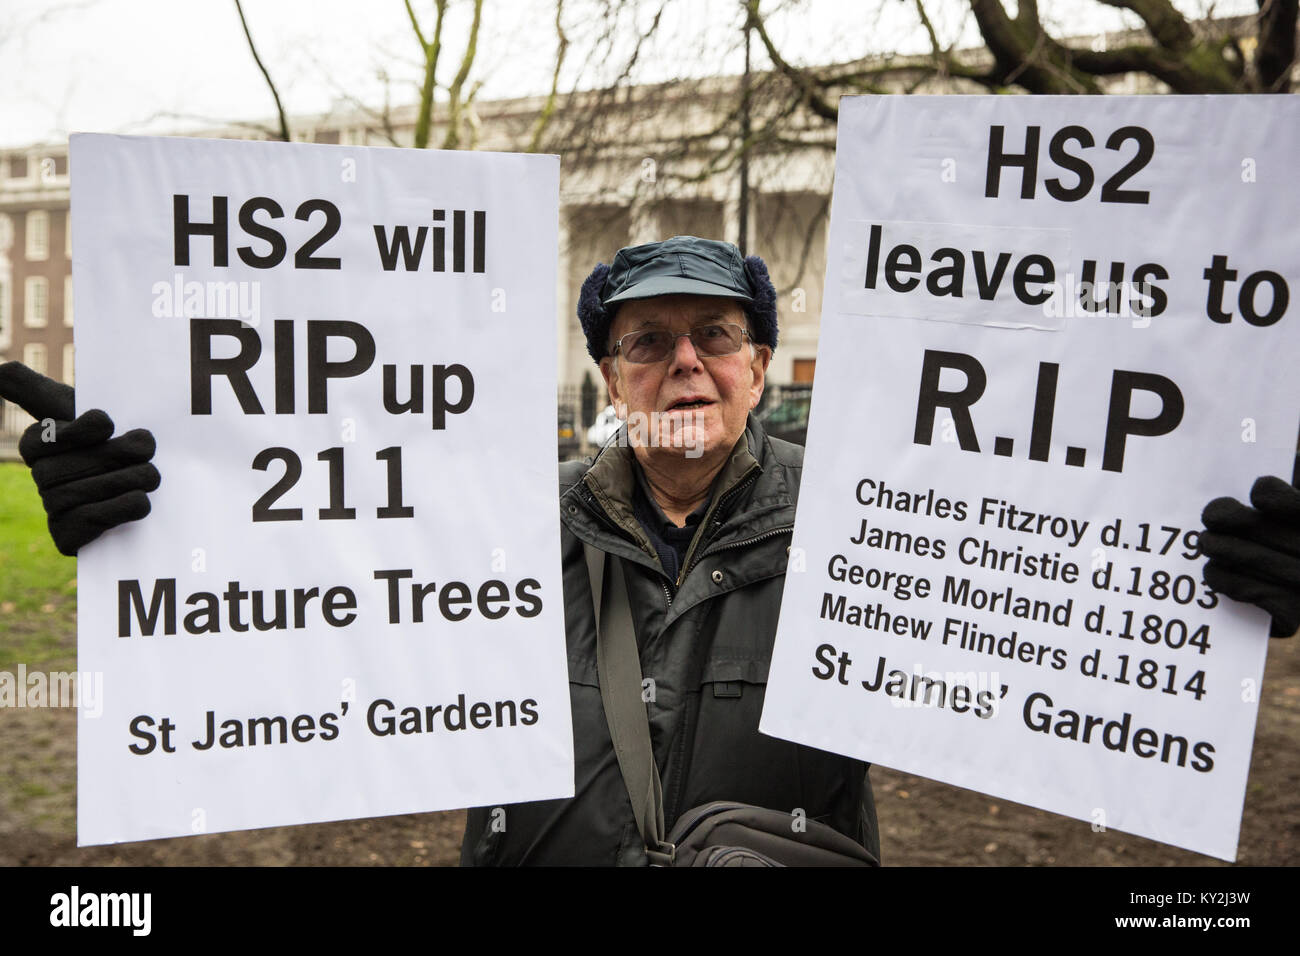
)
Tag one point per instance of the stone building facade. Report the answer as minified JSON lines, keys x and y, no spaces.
{"x":637,"y":165}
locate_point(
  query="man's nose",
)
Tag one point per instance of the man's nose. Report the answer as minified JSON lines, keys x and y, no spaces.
{"x":684,"y":351}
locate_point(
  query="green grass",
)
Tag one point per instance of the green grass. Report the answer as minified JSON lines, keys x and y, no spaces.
{"x":34,"y":788}
{"x":38,"y":586}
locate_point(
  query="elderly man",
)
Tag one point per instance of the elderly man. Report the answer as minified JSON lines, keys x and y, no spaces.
{"x":698,"y":505}
{"x":694,"y":507}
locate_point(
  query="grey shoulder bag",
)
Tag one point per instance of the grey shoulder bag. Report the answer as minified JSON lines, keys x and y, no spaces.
{"x":721,"y":833}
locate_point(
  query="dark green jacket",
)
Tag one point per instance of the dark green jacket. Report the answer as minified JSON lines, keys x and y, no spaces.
{"x":706,"y":642}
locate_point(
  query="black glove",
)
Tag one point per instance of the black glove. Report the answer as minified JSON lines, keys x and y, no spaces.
{"x":1254,"y":553}
{"x":88,"y":480}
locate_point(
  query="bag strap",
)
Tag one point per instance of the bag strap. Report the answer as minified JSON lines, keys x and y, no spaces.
{"x":618,"y":667}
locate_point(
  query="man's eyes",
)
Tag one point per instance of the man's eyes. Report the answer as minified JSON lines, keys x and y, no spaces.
{"x":656,"y":336}
{"x":651,"y":338}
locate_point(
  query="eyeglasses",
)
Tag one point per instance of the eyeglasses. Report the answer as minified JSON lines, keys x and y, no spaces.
{"x":655,"y":345}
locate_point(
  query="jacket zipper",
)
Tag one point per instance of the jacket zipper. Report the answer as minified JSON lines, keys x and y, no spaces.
{"x":699,"y":552}
{"x":740,"y":544}
{"x":722,"y":503}
{"x":590,"y":499}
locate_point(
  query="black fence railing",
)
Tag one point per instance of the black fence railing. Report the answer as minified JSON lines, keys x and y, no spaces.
{"x":783,"y":411}
{"x":774,"y":395}
{"x":13,"y":422}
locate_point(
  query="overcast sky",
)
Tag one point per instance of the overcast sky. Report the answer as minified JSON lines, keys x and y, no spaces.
{"x":165,"y":65}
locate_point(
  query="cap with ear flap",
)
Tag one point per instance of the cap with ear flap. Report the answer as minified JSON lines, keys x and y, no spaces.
{"x":682,"y":265}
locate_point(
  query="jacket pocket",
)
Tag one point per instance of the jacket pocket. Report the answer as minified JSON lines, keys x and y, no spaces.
{"x":728,"y":759}
{"x":731,"y":760}
{"x":727,"y":676}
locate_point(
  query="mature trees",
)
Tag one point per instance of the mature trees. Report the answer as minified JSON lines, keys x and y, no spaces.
{"x":1019,"y":53}
{"x":252,"y":48}
{"x":457,"y":99}
{"x":789,"y":103}
{"x":1186,"y":56}
{"x":660,"y":81}
{"x":460,"y":91}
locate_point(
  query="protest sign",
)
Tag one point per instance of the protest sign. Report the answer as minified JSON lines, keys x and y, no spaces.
{"x":346,"y":600}
{"x":1055,"y":329}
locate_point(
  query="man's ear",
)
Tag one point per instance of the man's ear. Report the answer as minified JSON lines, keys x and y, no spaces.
{"x":609,"y":369}
{"x":762,"y":358}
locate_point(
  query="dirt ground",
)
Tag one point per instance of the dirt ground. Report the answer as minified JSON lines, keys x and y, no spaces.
{"x":922,"y":822}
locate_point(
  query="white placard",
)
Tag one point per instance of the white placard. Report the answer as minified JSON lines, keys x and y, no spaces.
{"x":994,"y":579}
{"x":346,"y":601}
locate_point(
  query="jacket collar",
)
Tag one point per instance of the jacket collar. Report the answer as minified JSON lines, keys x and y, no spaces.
{"x":750,"y":475}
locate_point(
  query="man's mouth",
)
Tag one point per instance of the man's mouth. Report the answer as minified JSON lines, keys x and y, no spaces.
{"x":687,"y":403}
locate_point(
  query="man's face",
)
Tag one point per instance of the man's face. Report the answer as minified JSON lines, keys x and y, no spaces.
{"x":694,"y":404}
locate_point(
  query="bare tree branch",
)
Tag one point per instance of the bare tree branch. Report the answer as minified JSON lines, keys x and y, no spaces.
{"x":548,"y":108}
{"x":386,"y":114}
{"x":279,"y":107}
{"x":415,"y":25}
{"x":816,"y":102}
{"x":452,"y":140}
{"x":935,"y":46}
{"x":809,"y":237}
{"x":424,"y":118}
{"x":588,"y":130}
{"x":17,"y":29}
{"x":1277,"y":48}
{"x":206,"y":121}
{"x":1024,"y":54}
{"x":381,"y":115}
{"x":471,"y":114}
{"x":1165,"y":24}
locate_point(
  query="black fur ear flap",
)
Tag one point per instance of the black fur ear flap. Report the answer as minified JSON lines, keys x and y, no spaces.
{"x":591,"y":311}
{"x":762,"y":312}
